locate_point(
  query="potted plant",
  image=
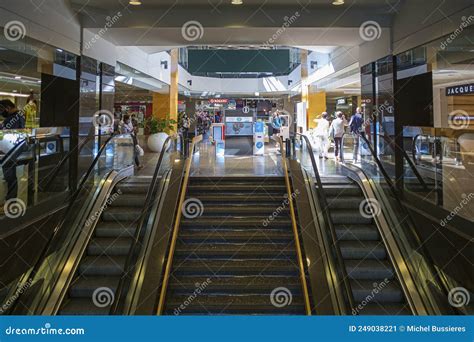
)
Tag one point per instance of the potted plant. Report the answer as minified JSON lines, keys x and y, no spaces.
{"x":158,"y":130}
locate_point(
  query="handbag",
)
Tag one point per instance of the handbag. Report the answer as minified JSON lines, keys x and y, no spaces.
{"x":139,"y":150}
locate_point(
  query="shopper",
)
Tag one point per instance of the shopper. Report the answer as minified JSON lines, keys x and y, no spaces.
{"x":14,"y":119}
{"x":126,"y":127}
{"x":276,"y":123}
{"x":356,"y":128}
{"x":337,"y":131}
{"x":322,"y":134}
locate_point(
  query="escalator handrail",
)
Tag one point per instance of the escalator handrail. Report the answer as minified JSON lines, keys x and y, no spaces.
{"x":141,"y":225}
{"x":412,"y":231}
{"x":393,"y":145}
{"x":174,"y":238}
{"x":294,"y":225}
{"x":16,"y":149}
{"x":44,"y":252}
{"x":329,"y":223}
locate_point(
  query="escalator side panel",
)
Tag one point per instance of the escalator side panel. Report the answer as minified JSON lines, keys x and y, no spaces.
{"x":322,"y":302}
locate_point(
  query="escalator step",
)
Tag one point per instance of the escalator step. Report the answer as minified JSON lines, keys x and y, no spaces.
{"x":237,"y":180}
{"x":346,"y":216}
{"x":344,"y":202}
{"x":247,"y":267}
{"x":238,"y":221}
{"x":228,"y":199}
{"x":338,"y":190}
{"x":102,"y":265}
{"x":133,"y":188}
{"x":83,"y":287}
{"x":234,"y":250}
{"x":362,"y":250}
{"x":376,"y":309}
{"x":377,"y":291}
{"x":114,"y":229}
{"x":357,"y":232}
{"x":82,"y":306}
{"x":369,"y":269}
{"x":123,"y":214}
{"x":245,"y":210}
{"x":109,"y":246}
{"x":129,"y":200}
{"x":247,"y":188}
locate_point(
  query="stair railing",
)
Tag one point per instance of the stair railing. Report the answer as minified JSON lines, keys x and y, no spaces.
{"x":174,"y":238}
{"x":294,"y":226}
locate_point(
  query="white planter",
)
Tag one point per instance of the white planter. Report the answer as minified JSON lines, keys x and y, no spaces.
{"x":155,"y":141}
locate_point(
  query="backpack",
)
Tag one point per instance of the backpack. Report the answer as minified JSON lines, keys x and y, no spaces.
{"x":356,"y":123}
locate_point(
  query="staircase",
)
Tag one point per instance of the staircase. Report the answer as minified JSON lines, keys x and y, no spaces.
{"x":364,"y":253}
{"x":103,"y":263}
{"x":229,"y":259}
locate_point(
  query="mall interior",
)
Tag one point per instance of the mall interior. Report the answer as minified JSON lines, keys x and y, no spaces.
{"x":236,"y":157}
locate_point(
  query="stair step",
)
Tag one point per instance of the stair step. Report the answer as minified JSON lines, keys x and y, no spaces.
{"x":125,"y":214}
{"x":357,"y":232}
{"x":235,"y":250}
{"x":369,"y":269}
{"x":232,"y":267}
{"x":102,"y":266}
{"x":231,"y":198}
{"x":377,"y":291}
{"x":238,"y":221}
{"x":245,"y":210}
{"x":247,"y":188}
{"x":234,"y":284}
{"x":109,"y":246}
{"x":234,"y":235}
{"x":346,"y":216}
{"x":83,"y":287}
{"x":363,"y":250}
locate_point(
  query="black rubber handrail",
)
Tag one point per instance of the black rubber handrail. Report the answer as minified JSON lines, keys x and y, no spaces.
{"x":58,"y":228}
{"x":146,"y":211}
{"x":16,"y":148}
{"x":394,"y":145}
{"x":328,"y":220}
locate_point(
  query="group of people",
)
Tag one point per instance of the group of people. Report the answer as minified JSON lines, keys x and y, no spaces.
{"x":129,"y":125}
{"x":335,"y":130}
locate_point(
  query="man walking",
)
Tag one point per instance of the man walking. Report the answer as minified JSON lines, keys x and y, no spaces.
{"x":355,"y":125}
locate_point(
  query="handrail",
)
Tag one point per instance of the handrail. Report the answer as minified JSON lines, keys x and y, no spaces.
{"x":141,"y":224}
{"x":60,"y":224}
{"x":405,"y":155}
{"x":177,"y":223}
{"x":294,"y":226}
{"x":327,"y":218}
{"x":12,"y":150}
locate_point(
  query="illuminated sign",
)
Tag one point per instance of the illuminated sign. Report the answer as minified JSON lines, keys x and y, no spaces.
{"x":219,"y":101}
{"x":464,"y":89}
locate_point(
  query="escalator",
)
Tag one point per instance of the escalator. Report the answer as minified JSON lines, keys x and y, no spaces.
{"x":371,"y":273}
{"x":103,"y":263}
{"x":237,"y":248}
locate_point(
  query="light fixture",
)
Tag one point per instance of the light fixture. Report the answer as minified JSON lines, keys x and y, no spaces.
{"x":135,"y":2}
{"x":314,"y":64}
{"x":2,"y":93}
{"x":338,"y":2}
{"x":237,"y":2}
{"x":164,"y":64}
{"x":190,"y":82}
{"x":257,"y":93}
{"x":17,"y":77}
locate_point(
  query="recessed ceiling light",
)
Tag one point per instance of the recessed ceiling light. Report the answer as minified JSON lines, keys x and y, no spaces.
{"x":237,"y":2}
{"x":17,"y":77}
{"x":338,"y":2}
{"x":135,"y":2}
